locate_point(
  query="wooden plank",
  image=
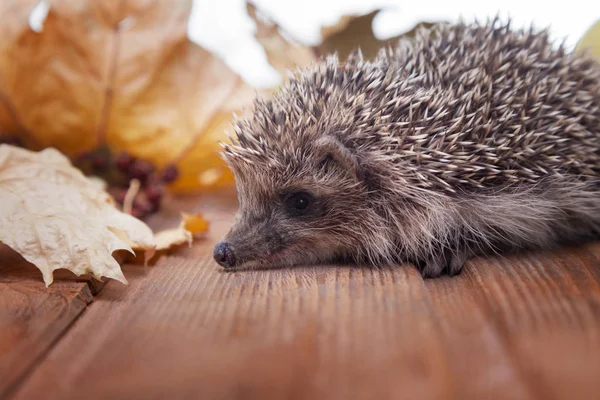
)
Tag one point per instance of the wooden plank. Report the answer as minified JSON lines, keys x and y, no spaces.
{"x":524,"y":326}
{"x":521,"y":327}
{"x":548,"y":313}
{"x":14,"y":268}
{"x":32,"y":318}
{"x":274,"y":331}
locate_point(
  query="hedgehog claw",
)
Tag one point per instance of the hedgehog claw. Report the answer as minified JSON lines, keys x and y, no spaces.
{"x":445,"y":261}
{"x":431,"y":268}
{"x":457,"y":262}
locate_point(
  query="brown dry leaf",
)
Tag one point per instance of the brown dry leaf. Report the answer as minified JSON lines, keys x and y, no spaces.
{"x":120,"y":73}
{"x":55,"y":217}
{"x":282,"y":51}
{"x":356,"y":31}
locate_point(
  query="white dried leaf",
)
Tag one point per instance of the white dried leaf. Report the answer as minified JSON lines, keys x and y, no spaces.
{"x":169,"y":238}
{"x":55,"y":217}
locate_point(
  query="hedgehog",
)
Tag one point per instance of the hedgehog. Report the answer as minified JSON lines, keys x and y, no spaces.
{"x":471,"y":139}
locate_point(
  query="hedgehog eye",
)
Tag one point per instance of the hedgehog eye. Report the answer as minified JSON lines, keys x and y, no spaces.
{"x":298,"y":202}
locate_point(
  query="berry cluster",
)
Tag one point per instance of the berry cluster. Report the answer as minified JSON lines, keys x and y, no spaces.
{"x":119,"y":170}
{"x":10,"y":139}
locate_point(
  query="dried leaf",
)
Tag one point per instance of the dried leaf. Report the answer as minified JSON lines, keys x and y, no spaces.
{"x":195,"y":223}
{"x":283,"y":52}
{"x":189,"y":226}
{"x":356,"y":31}
{"x":173,"y":237}
{"x":57,"y":218}
{"x":591,"y":40}
{"x":117,"y":73}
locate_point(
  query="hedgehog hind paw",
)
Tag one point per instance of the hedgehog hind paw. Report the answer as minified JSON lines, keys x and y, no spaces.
{"x":430,"y":268}
{"x":430,"y":271}
{"x":457,"y":263}
{"x":448,"y":262}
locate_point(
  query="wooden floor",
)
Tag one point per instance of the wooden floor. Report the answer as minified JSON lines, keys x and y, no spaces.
{"x":522,"y":327}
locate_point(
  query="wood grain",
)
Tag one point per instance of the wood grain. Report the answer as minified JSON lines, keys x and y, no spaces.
{"x":520,"y":327}
{"x":32,"y":318}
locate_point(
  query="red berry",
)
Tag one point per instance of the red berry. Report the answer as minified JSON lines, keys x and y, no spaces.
{"x":138,"y":213}
{"x":85,"y":155}
{"x":124,"y":161}
{"x":142,"y":203}
{"x":140,"y":169}
{"x":170,"y":173}
{"x":11,"y":140}
{"x":99,"y":162}
{"x":154,"y":194}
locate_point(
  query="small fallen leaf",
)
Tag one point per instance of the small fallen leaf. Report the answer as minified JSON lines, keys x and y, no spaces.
{"x":190,"y":225}
{"x":55,"y":217}
{"x":170,"y":238}
{"x":195,"y":223}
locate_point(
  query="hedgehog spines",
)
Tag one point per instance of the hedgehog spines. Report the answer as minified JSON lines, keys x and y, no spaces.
{"x":459,"y":107}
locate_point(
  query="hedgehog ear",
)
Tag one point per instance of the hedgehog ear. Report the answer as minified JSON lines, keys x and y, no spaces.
{"x":334,"y":154}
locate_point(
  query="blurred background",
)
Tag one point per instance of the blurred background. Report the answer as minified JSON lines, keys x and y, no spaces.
{"x":225,"y":27}
{"x":146,"y":90}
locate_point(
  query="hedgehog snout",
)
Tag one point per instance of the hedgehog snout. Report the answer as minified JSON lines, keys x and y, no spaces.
{"x":224,"y":255}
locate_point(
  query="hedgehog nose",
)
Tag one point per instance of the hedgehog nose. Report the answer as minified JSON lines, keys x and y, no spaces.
{"x":223,"y":255}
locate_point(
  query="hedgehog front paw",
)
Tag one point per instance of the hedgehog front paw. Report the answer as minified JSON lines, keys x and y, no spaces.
{"x":451,"y":262}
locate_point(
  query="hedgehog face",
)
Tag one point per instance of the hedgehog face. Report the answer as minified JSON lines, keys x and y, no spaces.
{"x":298,"y":213}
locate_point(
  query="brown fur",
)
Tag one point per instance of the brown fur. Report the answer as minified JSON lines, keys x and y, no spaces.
{"x":467,"y":140}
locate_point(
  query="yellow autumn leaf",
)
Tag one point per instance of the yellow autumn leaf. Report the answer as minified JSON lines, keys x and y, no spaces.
{"x":195,"y":223}
{"x":118,"y":73}
{"x":55,"y":217}
{"x":591,"y":40}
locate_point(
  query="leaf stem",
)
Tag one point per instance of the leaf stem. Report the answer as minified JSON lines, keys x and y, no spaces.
{"x":109,"y":91}
{"x":134,"y":189}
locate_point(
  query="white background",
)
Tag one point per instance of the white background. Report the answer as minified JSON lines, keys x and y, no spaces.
{"x":223,"y":26}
